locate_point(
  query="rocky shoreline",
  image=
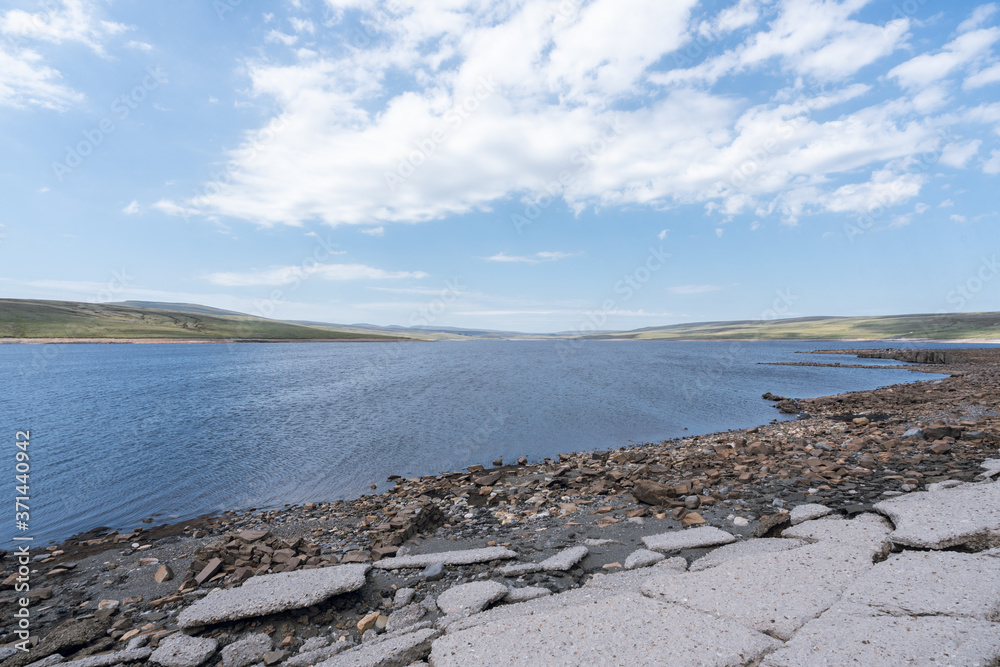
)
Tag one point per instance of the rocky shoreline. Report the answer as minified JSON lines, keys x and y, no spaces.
{"x":301,"y":585}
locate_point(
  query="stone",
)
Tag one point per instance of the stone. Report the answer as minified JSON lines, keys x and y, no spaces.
{"x":808,"y":512}
{"x":367,"y":622}
{"x":247,"y":651}
{"x":518,"y":569}
{"x":767,"y":524}
{"x":108,"y":659}
{"x":108,"y":604}
{"x":65,"y":639}
{"x":737,"y":550}
{"x":403,"y":597}
{"x":967,"y":515}
{"x":314,"y":644}
{"x":471,"y":598}
{"x":272,"y":593}
{"x":515,"y":595}
{"x":433,"y":572}
{"x":915,"y":433}
{"x":253,"y":535}
{"x":652,"y":493}
{"x":210,"y":570}
{"x":889,"y":641}
{"x":180,"y":650}
{"x":576,"y":635}
{"x":642,"y":558}
{"x":564,"y":560}
{"x":53,"y":659}
{"x":310,"y":658}
{"x":462,"y":557}
{"x":405,"y":617}
{"x":7,"y":651}
{"x":935,"y":583}
{"x":693,"y":538}
{"x":395,"y":651}
{"x":774,"y":593}
{"x":163,"y":573}
{"x":274,"y":657}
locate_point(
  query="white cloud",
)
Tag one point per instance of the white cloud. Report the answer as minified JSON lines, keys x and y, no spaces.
{"x":132,"y":208}
{"x":992,"y":166}
{"x":276,"y":36}
{"x":25,"y":81}
{"x":921,"y":208}
{"x":72,"y":21}
{"x":663,"y":234}
{"x":537,"y":258}
{"x":139,"y":46}
{"x":926,"y":68}
{"x":979,"y":15}
{"x":374,"y":231}
{"x":957,"y":154}
{"x":947,"y":203}
{"x":957,"y":218}
{"x":694,"y":289}
{"x":983,"y":77}
{"x":302,"y":25}
{"x":287,"y":275}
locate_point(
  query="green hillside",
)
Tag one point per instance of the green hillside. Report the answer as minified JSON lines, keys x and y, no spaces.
{"x":958,"y":325}
{"x":22,"y":318}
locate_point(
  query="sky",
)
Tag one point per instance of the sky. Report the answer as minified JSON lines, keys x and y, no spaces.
{"x":530,"y":165}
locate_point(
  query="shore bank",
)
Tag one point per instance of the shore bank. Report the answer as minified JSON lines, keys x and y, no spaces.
{"x":846,"y":453}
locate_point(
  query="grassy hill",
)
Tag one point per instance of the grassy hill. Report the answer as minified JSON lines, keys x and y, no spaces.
{"x":957,"y":325}
{"x":22,"y":318}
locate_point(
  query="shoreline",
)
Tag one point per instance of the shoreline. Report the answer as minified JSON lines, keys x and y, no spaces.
{"x":846,"y":452}
{"x":165,"y":341}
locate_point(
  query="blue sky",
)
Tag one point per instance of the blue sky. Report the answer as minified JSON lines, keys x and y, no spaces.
{"x":538,"y":165}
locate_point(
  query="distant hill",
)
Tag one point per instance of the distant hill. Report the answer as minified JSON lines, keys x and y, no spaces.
{"x":940,"y":327}
{"x":24,"y":318}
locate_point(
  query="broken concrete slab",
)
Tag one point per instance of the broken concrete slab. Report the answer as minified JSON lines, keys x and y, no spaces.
{"x":642,"y":558}
{"x":462,"y":557}
{"x":564,"y":560}
{"x":272,"y":593}
{"x":808,"y":512}
{"x":578,"y":635}
{"x":180,"y":650}
{"x":398,"y":651}
{"x":869,"y":530}
{"x":775,"y":593}
{"x":836,"y":639}
{"x":921,"y":583}
{"x":743,"y":549}
{"x":247,"y":651}
{"x":405,"y":617}
{"x":527,"y":593}
{"x":693,"y":538}
{"x":538,"y":607}
{"x":108,"y":659}
{"x":471,"y":598}
{"x":967,"y":515}
{"x":309,"y":658}
{"x":518,"y":569}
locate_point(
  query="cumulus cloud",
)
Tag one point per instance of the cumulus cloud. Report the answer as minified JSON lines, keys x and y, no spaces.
{"x":71,"y":21}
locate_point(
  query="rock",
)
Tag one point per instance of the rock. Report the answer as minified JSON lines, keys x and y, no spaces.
{"x":7,"y":651}
{"x":471,"y":598}
{"x":564,"y":560}
{"x":652,"y":493}
{"x":518,"y":569}
{"x":209,"y":571}
{"x":463,"y":557}
{"x":53,"y":659}
{"x":253,"y":535}
{"x":888,"y":641}
{"x":694,"y":538}
{"x":940,"y":448}
{"x":515,"y":595}
{"x":915,"y":433}
{"x":578,"y":635}
{"x":744,"y":549}
{"x":272,"y":593}
{"x":403,"y":597}
{"x":180,"y":650}
{"x":642,"y":558}
{"x":967,"y":515}
{"x":368,"y":622}
{"x":767,"y":524}
{"x":692,"y":519}
{"x":311,"y":658}
{"x":66,"y":639}
{"x":861,"y":421}
{"x":692,"y":502}
{"x":808,"y":512}
{"x":931,"y":584}
{"x":274,"y":657}
{"x":108,"y":659}
{"x":314,"y":644}
{"x":108,"y":604}
{"x":397,"y":651}
{"x":405,"y":617}
{"x":164,"y":573}
{"x":247,"y":651}
{"x":773,"y":593}
{"x":433,"y":572}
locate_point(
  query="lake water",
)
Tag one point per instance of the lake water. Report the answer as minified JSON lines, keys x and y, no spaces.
{"x":123,"y":432}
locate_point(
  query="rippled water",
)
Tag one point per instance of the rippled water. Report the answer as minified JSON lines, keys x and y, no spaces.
{"x":122,"y":432}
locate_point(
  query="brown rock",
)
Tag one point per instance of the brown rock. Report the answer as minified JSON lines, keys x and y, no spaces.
{"x":652,"y":493}
{"x":210,"y":570}
{"x":368,"y":622}
{"x":253,"y":535}
{"x":770,"y":523}
{"x":692,"y":519}
{"x":274,"y":657}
